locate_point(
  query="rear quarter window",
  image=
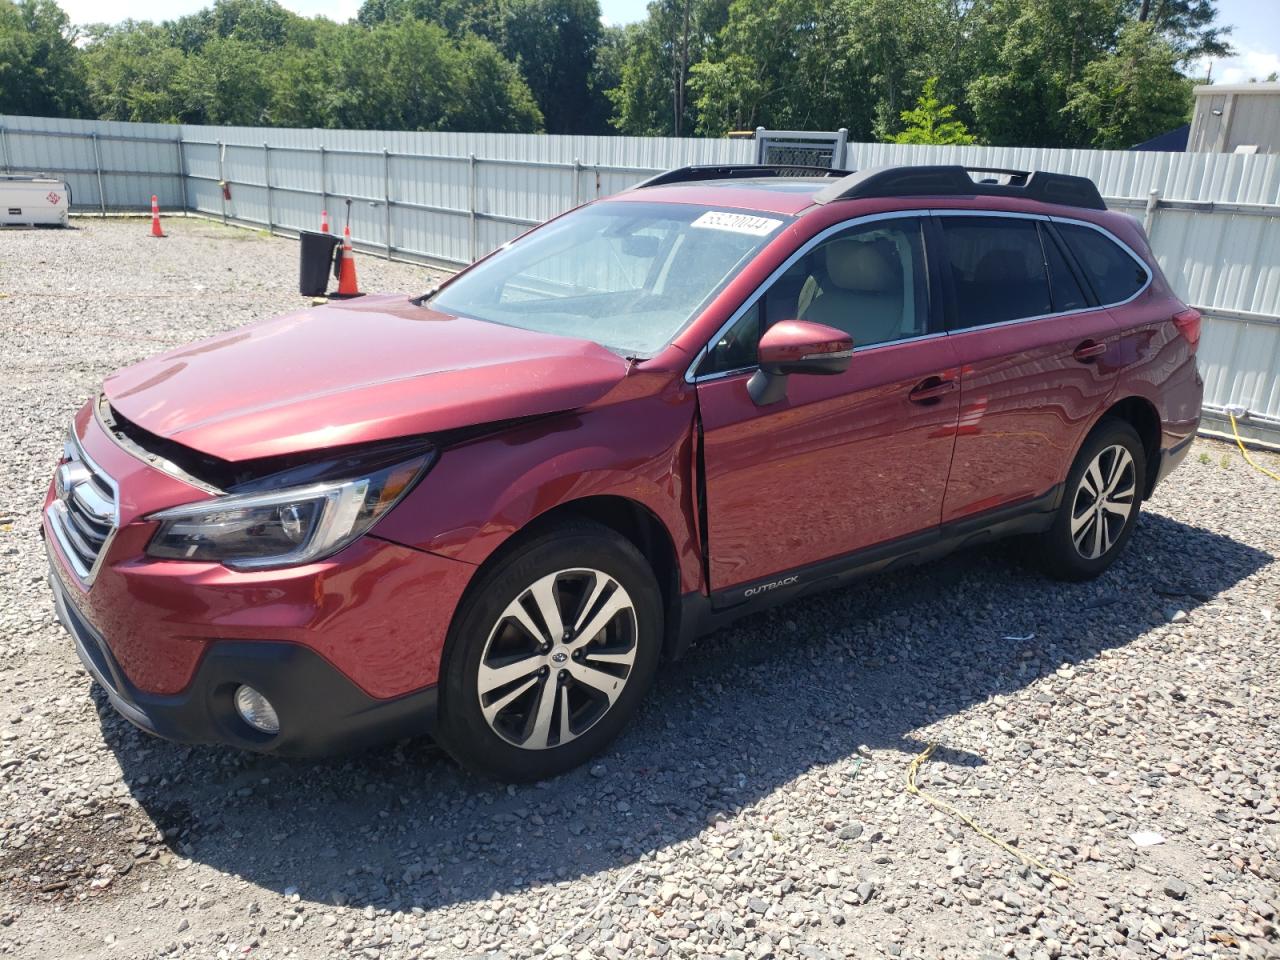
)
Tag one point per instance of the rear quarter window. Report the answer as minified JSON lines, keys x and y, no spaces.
{"x":1114,"y":274}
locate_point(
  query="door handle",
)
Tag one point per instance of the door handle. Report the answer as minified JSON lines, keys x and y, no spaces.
{"x":1089,"y":351}
{"x":931,"y":390}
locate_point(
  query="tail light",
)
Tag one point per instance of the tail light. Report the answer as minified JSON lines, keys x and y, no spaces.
{"x":1188,"y":324}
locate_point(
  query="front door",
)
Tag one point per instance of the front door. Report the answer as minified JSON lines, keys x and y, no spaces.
{"x":842,"y":462}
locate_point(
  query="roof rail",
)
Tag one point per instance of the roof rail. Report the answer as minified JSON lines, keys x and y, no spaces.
{"x":954,"y":180}
{"x":731,"y":171}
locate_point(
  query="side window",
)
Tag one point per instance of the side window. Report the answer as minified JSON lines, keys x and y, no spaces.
{"x":1115,"y":275}
{"x":869,"y":281}
{"x":998,"y":269}
{"x":1063,"y":285}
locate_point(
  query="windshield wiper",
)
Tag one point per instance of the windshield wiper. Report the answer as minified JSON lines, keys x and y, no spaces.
{"x":424,"y":297}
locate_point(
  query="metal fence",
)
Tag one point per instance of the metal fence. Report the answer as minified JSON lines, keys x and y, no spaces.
{"x":447,"y":198}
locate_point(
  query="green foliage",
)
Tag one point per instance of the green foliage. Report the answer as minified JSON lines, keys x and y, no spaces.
{"x":459,"y":17}
{"x":409,"y":75}
{"x":225,"y":82}
{"x":1024,"y":72}
{"x":553,"y":42}
{"x":1188,"y":25}
{"x":40,"y":70}
{"x":930,"y":121}
{"x":642,"y":95}
{"x":251,"y":62}
{"x":1041,"y":49}
{"x":653,"y":97}
{"x":1132,"y":94}
{"x":1008,"y":67}
{"x":130,"y":72}
{"x":890,"y":48}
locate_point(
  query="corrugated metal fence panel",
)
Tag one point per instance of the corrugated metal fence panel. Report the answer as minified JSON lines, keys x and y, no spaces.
{"x":451,"y":197}
{"x":1221,"y":177}
{"x":1223,"y":261}
{"x":136,"y":160}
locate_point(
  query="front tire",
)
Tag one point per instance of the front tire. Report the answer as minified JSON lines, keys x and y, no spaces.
{"x":550,"y":654}
{"x":1100,"y":504}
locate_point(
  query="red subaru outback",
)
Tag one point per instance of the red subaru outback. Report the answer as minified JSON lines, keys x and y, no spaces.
{"x":490,"y":511}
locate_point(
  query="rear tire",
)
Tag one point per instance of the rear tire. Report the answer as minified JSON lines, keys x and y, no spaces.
{"x":550,"y":654}
{"x":1100,"y":504}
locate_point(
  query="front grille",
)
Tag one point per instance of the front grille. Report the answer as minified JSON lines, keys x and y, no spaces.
{"x":84,"y":514}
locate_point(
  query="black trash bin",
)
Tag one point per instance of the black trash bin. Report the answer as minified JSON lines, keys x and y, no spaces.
{"x":317,"y":259}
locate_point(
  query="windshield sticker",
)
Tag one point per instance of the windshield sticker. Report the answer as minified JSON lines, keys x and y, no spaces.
{"x":737,"y":223}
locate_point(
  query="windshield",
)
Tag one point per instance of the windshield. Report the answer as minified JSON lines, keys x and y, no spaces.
{"x":628,"y":276}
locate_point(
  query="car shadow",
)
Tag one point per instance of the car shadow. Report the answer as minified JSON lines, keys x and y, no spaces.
{"x":746,"y":712}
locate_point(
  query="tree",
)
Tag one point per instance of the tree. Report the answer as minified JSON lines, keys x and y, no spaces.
{"x":458,"y":17}
{"x":553,"y":42}
{"x":752,"y":76}
{"x":930,"y":121}
{"x":40,"y":69}
{"x":261,"y":23}
{"x":652,"y":97}
{"x":1034,"y":52}
{"x":1024,"y":72}
{"x":1132,"y":94}
{"x":829,"y":64}
{"x":642,"y":96}
{"x":890,"y":49}
{"x":130,"y":70}
{"x":410,"y":75}
{"x":1189,"y":26}
{"x":492,"y":94}
{"x":226,"y":82}
{"x":301,"y":80}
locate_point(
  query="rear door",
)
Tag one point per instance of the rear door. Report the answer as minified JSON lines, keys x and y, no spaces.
{"x":1038,"y":357}
{"x":842,"y":462}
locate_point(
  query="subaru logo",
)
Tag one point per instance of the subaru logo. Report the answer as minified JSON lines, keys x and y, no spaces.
{"x":67,"y":476}
{"x":559,"y":656}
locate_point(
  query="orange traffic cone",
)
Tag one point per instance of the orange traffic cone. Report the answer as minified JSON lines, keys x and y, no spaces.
{"x":155,"y":217}
{"x":347,"y":286}
{"x":324,"y":221}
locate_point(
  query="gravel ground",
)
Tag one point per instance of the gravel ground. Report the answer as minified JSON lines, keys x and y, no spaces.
{"x":756,"y":809}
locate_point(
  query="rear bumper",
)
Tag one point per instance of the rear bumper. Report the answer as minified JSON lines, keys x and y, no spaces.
{"x":1170,"y":458}
{"x":321,"y":711}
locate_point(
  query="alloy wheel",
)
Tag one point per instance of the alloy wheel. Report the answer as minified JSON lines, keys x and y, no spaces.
{"x":557,"y":658}
{"x":1104,"y":501}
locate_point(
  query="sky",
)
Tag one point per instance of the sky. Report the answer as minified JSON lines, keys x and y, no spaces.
{"x":1256,"y":33}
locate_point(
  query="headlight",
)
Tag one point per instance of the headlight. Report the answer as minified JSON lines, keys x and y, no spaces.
{"x":291,"y":517}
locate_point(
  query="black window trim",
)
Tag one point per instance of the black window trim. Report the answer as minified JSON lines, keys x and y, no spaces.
{"x":936,"y":327}
{"x":1098,"y":305}
{"x":1049,"y":235}
{"x":941,"y":315}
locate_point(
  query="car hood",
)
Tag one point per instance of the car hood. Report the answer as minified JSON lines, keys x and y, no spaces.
{"x":348,"y":372}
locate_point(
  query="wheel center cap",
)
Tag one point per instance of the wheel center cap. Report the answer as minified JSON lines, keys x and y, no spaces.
{"x":559,"y":657}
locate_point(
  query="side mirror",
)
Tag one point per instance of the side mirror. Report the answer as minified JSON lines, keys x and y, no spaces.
{"x":797,"y":346}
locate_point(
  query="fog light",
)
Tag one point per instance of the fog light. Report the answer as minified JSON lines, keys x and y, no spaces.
{"x":256,"y":710}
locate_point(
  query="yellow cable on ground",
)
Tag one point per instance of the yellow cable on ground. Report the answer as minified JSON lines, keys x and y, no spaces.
{"x":965,"y":818}
{"x":1245,"y":453}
